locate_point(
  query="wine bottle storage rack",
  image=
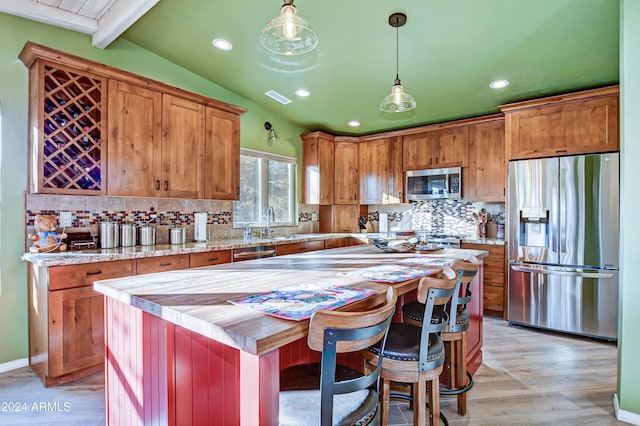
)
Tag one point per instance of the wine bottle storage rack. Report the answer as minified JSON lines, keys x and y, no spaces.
{"x":72,"y":131}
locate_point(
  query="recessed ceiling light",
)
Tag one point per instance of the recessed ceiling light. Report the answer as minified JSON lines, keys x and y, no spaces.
{"x":303,"y":92}
{"x":499,"y":84}
{"x":222,"y":44}
{"x":354,"y":123}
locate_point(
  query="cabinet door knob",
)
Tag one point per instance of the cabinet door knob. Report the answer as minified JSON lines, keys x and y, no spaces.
{"x":157,"y":185}
{"x":166,"y":185}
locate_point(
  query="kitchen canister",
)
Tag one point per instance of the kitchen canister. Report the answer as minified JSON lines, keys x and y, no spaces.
{"x":178,"y":235}
{"x":109,"y":234}
{"x":147,"y":235}
{"x":128,"y":234}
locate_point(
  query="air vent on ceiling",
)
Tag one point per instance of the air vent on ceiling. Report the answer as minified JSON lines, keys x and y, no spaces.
{"x":278,"y":97}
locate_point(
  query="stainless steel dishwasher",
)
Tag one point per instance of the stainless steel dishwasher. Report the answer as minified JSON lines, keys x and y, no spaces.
{"x":250,"y":253}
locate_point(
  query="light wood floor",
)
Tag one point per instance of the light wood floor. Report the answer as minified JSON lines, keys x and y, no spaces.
{"x":528,"y":378}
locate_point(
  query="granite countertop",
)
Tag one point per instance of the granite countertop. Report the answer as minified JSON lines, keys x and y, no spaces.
{"x":136,"y":252}
{"x":491,"y":241}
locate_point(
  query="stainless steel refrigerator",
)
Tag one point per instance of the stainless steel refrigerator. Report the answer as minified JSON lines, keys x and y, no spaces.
{"x":563,"y":233}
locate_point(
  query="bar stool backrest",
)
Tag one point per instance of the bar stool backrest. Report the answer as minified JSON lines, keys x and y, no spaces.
{"x":433,"y":292}
{"x":334,"y":332}
{"x":457,"y":308}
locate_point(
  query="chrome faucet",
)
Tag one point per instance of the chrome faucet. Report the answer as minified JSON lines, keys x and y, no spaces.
{"x":270,"y":216}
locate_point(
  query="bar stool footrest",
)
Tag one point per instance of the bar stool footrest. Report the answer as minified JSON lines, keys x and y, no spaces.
{"x":447,"y":391}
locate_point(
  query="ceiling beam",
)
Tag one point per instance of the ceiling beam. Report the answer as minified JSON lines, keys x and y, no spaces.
{"x":118,"y":18}
{"x":49,"y":15}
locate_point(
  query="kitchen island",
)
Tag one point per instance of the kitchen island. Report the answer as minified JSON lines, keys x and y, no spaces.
{"x":178,"y":353}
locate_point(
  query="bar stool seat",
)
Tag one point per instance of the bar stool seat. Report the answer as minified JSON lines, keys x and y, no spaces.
{"x":415,"y":354}
{"x":455,"y":334}
{"x":328,"y":393}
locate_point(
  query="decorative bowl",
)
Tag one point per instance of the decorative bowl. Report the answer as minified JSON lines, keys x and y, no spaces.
{"x":398,"y":245}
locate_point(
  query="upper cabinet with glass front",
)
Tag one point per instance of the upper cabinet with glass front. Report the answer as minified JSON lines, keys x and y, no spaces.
{"x":97,"y":130}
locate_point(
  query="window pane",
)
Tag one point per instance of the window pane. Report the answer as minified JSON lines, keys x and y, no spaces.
{"x":247,"y":209}
{"x":280,"y":190}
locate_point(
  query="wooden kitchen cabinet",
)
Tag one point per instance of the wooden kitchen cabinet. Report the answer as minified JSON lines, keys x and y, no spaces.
{"x":148,"y":265}
{"x":494,"y":286}
{"x":208,"y":258}
{"x":487,"y":175}
{"x":381,"y":179}
{"x":304,"y":247}
{"x":448,"y":147}
{"x":66,"y":318}
{"x":577,"y":123}
{"x":318,"y":163}
{"x":156,"y":146}
{"x":339,"y":218}
{"x":347,"y":179}
{"x":222,"y":155}
{"x":101,"y":131}
{"x":67,"y":110}
{"x":342,"y":242}
{"x":182,"y":147}
{"x":135,"y":138}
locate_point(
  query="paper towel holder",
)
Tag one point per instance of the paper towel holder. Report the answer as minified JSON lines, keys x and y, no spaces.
{"x":200,"y":226}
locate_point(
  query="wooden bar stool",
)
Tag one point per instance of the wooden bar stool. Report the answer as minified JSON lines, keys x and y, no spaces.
{"x":455,"y":333}
{"x":415,"y":354}
{"x":329,"y":393}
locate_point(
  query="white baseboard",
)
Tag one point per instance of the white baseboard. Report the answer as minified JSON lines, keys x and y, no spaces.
{"x":13,"y":365}
{"x":623,"y":415}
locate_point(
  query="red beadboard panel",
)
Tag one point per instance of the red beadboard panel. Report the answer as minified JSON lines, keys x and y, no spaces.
{"x":136,"y":366}
{"x":259,"y":388}
{"x":206,"y":380}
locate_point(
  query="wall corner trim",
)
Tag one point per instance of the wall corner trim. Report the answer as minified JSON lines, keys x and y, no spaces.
{"x":14,"y":365}
{"x":624,"y":415}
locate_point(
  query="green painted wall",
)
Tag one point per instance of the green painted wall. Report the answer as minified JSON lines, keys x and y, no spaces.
{"x":14,"y":32}
{"x":629,"y":342}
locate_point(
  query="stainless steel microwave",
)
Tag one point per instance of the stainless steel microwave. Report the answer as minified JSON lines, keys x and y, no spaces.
{"x":434,"y":184}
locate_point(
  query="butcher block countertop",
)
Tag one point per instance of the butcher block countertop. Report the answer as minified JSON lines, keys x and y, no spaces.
{"x":196,"y":299}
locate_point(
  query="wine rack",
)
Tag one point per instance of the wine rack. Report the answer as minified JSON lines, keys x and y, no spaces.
{"x":71,"y":151}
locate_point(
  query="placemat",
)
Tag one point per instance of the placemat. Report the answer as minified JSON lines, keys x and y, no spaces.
{"x":429,"y":262}
{"x":298,"y":302}
{"x":390,"y":273}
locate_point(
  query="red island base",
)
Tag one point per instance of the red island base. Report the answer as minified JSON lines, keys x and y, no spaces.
{"x":158,"y":373}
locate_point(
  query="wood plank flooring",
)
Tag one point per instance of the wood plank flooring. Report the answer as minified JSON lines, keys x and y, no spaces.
{"x":528,"y":378}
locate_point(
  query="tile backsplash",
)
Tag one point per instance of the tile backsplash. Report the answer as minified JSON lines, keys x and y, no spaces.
{"x":451,"y":217}
{"x":88,"y":211}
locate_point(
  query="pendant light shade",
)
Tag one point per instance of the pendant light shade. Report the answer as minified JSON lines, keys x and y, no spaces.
{"x":288,"y":34}
{"x":398,"y":100}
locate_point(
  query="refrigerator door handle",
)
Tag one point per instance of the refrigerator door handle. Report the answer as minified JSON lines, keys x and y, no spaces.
{"x":600,"y":275}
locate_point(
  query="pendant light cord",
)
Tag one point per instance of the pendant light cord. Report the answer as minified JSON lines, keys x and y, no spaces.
{"x":397,"y":24}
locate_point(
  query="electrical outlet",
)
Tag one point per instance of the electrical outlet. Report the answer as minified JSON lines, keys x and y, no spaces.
{"x":65,"y":219}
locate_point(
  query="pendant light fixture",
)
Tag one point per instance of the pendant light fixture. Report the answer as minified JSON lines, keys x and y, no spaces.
{"x":288,"y":34}
{"x":398,"y":100}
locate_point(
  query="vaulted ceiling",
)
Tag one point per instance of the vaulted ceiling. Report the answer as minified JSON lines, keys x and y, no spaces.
{"x":449,"y":51}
